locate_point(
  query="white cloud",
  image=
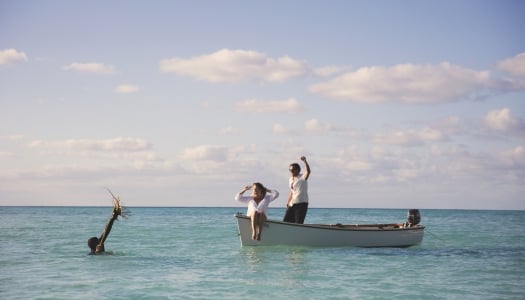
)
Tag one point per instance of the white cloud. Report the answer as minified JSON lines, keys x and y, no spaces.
{"x":449,"y":125}
{"x":351,"y":162}
{"x":89,"y":173}
{"x":514,"y":66}
{"x":4,"y":154}
{"x":230,"y":131}
{"x":235,"y":65}
{"x":314,"y":126}
{"x":358,"y":165}
{"x":407,"y":83}
{"x":126,"y":89}
{"x":280,"y":129}
{"x":503,"y":120}
{"x":331,"y":70}
{"x":429,"y":134}
{"x":217,"y":153}
{"x":88,"y":160}
{"x":404,"y":175}
{"x":12,"y":137}
{"x":410,"y":137}
{"x":93,"y":67}
{"x":290,"y":105}
{"x":514,"y":157}
{"x":116,"y":144}
{"x":222,"y":162}
{"x":12,"y":56}
{"x":309,"y":127}
{"x":451,"y":165}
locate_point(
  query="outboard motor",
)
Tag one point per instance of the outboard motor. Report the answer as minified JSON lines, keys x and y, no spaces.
{"x":413,"y":217}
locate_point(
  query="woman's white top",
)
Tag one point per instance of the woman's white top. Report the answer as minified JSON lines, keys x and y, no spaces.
{"x":253,"y":206}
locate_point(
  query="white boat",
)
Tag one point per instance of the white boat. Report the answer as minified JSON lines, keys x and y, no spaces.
{"x":274,"y":232}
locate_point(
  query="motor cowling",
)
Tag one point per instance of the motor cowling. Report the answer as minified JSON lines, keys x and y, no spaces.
{"x":413,"y":217}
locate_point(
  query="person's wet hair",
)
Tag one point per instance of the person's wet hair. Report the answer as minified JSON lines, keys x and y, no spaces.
{"x":92,"y":243}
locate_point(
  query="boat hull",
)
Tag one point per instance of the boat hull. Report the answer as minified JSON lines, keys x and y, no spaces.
{"x":337,"y":235}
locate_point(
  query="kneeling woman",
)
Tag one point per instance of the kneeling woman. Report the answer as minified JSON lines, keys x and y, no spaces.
{"x":257,"y":205}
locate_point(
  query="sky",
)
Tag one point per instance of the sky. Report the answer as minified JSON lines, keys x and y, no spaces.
{"x":395,"y":104}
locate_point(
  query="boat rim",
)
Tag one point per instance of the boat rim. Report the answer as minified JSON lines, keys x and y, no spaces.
{"x":344,"y":227}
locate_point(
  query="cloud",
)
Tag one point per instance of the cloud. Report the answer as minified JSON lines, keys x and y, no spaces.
{"x":314,"y":126}
{"x":4,"y":154}
{"x":12,"y":137}
{"x":90,"y":173}
{"x":230,"y":131}
{"x":450,"y":166}
{"x":12,"y":56}
{"x":310,"y":127}
{"x":407,"y":83}
{"x":96,"y":68}
{"x":514,"y":66}
{"x":356,"y":166}
{"x":280,"y":129}
{"x":290,"y":105}
{"x":349,"y":161}
{"x":126,"y":89}
{"x":116,"y":144}
{"x":212,"y":160}
{"x":217,"y":153}
{"x":410,"y":137}
{"x":514,"y":157}
{"x":235,"y":65}
{"x":449,"y":125}
{"x":82,"y":157}
{"x":502,"y":120}
{"x":331,"y":70}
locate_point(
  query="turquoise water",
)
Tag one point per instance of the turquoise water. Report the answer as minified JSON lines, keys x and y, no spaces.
{"x":185,"y":253}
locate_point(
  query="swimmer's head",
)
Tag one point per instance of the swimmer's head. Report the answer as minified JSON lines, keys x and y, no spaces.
{"x":92,"y":243}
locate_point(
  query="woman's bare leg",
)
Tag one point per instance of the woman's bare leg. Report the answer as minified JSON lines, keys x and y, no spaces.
{"x":254,"y":225}
{"x":261,"y":218}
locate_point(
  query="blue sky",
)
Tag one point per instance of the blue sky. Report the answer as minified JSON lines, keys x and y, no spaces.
{"x":396,"y":104}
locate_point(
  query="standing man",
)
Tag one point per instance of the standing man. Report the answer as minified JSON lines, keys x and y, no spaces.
{"x":297,"y":204}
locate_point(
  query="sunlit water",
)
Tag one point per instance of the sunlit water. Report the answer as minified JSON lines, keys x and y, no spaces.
{"x":178,"y":253}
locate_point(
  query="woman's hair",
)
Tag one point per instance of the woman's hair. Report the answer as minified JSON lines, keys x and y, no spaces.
{"x":261,"y":187}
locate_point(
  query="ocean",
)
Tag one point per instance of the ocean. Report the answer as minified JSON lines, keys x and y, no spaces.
{"x":195,"y":253}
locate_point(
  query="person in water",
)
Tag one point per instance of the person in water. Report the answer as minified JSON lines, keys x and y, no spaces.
{"x":96,"y":245}
{"x":257,"y":206}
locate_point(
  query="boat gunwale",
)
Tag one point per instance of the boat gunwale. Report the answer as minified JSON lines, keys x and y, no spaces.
{"x":353,"y":227}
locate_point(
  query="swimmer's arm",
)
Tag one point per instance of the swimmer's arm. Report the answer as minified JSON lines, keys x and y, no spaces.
{"x":107,"y":230}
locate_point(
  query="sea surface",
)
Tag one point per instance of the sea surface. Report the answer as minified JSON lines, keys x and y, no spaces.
{"x":195,"y":253}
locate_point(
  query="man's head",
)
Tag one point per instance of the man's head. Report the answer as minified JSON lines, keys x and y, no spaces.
{"x":295,"y":169}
